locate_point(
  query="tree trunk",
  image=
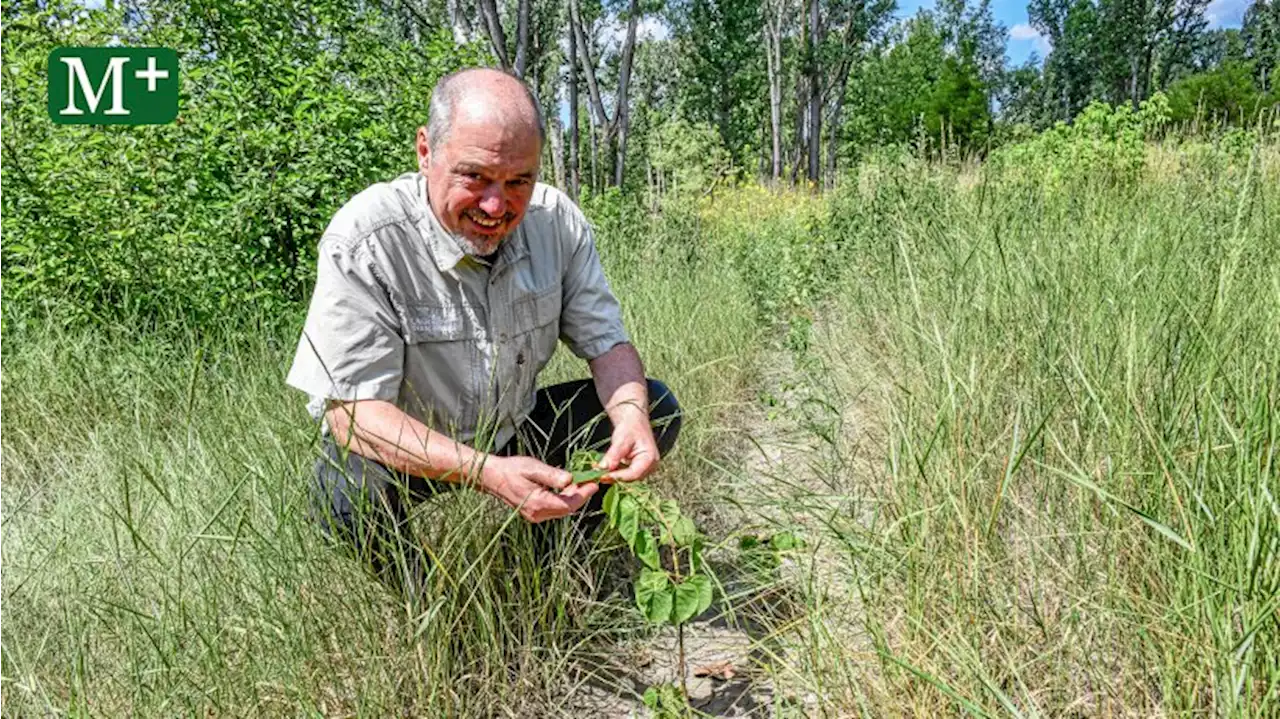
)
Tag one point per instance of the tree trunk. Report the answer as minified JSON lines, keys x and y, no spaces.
{"x":1144,"y":80}
{"x":575,"y":164}
{"x":522,"y":39}
{"x":815,"y":98}
{"x":421,"y":20}
{"x":773,"y":57}
{"x":848,"y":51}
{"x":833,"y":138}
{"x":802,"y":127}
{"x":622,"y":112}
{"x":493,"y":28}
{"x":595,"y":158}
{"x":556,"y":131}
{"x":1133,"y":78}
{"x":588,"y":65}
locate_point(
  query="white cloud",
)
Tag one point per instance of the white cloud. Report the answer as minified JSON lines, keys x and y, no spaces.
{"x":1025,"y":33}
{"x":1226,"y":13}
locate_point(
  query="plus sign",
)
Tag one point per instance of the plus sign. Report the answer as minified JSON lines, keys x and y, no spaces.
{"x":151,"y":74}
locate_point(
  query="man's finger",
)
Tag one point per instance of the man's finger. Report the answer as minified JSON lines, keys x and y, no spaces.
{"x":549,"y":505}
{"x":582,"y":491}
{"x":613,"y":457}
{"x":552,"y":477}
{"x":640,"y":466}
{"x":578,"y":496}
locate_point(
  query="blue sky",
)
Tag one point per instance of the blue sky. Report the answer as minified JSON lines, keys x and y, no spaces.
{"x":1023,"y":39}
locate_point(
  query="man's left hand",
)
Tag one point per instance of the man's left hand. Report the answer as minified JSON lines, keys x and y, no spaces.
{"x":633,"y":452}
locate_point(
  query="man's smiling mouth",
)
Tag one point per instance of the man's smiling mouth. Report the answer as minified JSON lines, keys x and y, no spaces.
{"x":484,"y":220}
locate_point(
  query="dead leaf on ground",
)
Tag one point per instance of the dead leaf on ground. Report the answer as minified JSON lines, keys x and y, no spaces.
{"x":723,"y":671}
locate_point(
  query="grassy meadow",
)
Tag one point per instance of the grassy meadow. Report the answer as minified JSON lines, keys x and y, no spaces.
{"x":1024,"y":415}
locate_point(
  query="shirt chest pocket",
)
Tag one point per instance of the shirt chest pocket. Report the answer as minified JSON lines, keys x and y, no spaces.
{"x":536,"y":326}
{"x":537,"y":311}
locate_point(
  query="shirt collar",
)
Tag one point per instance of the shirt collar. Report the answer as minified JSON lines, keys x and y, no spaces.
{"x":445,"y":248}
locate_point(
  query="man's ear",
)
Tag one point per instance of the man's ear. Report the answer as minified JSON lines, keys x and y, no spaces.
{"x":424,"y":149}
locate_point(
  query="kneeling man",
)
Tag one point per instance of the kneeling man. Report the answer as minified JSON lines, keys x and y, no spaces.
{"x":439,"y":298}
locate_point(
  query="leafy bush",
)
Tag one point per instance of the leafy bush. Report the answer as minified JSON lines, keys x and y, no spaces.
{"x":1104,"y":144}
{"x":1226,"y":95}
{"x":286,"y":110}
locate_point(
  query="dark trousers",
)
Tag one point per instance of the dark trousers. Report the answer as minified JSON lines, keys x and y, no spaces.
{"x":362,"y":503}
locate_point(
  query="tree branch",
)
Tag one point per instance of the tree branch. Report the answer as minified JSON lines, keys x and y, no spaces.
{"x":493,"y":28}
{"x":522,"y":39}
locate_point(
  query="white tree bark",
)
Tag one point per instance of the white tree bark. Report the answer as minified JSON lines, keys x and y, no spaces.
{"x":774,"y":17}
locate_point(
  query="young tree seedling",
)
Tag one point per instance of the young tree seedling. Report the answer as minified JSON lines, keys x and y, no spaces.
{"x":674,"y":585}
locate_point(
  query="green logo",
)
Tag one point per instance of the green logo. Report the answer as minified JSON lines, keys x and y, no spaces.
{"x":113,"y":85}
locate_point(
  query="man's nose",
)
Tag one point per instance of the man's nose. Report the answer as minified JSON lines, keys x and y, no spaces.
{"x":492,"y":202}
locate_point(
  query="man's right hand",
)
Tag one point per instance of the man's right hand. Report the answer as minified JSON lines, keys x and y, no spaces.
{"x":537,"y":489}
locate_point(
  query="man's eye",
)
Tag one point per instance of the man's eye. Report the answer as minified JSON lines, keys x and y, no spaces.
{"x":519,"y":182}
{"x":471,"y":176}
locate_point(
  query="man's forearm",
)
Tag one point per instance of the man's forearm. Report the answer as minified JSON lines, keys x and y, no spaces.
{"x":381,"y":431}
{"x":620,"y":383}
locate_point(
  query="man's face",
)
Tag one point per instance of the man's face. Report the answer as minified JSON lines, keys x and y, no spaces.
{"x":480,"y":179}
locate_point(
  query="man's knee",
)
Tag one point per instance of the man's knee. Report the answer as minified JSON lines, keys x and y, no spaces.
{"x":352,"y":496}
{"x":664,"y":414}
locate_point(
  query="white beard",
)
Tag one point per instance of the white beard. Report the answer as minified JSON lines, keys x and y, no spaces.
{"x":471,"y":249}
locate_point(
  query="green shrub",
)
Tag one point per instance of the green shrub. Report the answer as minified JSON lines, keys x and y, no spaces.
{"x":1103,"y":144}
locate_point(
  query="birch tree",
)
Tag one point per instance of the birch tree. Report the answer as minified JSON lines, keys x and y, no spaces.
{"x":775,"y":22}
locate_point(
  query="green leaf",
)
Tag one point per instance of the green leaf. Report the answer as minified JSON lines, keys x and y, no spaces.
{"x":646,"y":550}
{"x":594,"y":475}
{"x":628,"y":520}
{"x":785,"y":541}
{"x":683,"y":532}
{"x":610,"y":505}
{"x":695,"y":555}
{"x":653,"y":595}
{"x":705,"y":591}
{"x":692,"y":597}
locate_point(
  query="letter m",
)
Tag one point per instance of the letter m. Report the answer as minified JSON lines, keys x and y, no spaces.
{"x":76,"y":75}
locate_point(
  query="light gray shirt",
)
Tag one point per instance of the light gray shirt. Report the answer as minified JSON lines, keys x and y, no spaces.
{"x":401,"y":314}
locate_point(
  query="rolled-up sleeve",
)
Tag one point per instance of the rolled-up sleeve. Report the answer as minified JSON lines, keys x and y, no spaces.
{"x":351,"y":346}
{"x":590,"y":318}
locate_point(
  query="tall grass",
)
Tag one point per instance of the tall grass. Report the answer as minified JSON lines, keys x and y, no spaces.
{"x":1069,"y":390}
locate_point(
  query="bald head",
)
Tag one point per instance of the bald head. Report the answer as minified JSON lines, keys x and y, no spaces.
{"x":482,"y":95}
